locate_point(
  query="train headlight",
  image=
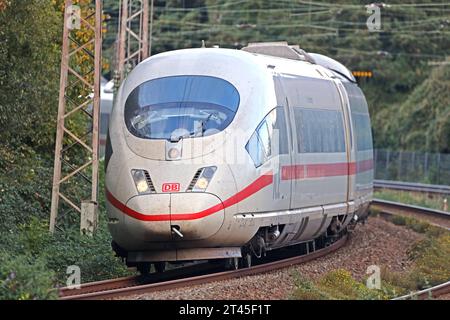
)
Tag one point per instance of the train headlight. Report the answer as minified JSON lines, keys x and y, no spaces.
{"x":142,"y":186}
{"x":202,"y":183}
{"x":202,"y":179}
{"x":142,"y":181}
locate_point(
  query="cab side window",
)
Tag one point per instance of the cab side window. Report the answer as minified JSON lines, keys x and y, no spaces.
{"x":269,"y":138}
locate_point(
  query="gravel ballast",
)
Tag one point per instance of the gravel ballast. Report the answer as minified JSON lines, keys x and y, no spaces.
{"x":377,"y":242}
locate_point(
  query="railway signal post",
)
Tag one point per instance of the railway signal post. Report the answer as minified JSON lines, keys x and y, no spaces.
{"x":76,"y":155}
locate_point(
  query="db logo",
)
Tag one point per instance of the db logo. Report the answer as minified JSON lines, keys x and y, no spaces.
{"x":170,"y":187}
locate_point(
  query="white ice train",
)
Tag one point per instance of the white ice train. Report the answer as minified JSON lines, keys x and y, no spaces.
{"x":226,"y":154}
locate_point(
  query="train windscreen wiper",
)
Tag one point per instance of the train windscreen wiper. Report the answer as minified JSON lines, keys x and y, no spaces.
{"x":204,"y":122}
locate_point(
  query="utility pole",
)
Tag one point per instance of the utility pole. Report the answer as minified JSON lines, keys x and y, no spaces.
{"x":76,"y":155}
{"x":133,"y":36}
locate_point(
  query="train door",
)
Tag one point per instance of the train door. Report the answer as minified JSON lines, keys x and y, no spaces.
{"x":319,"y":162}
{"x":284,"y":182}
{"x":350,"y":145}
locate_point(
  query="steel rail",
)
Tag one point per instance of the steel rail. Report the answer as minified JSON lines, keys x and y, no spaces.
{"x":435,"y":217}
{"x":197,"y":280}
{"x":410,"y":207}
{"x":130,"y":281}
{"x":410,"y":186}
{"x":428,"y":293}
{"x":386,"y":204}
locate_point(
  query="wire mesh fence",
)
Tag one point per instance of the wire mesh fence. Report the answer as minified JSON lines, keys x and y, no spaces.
{"x":423,"y":167}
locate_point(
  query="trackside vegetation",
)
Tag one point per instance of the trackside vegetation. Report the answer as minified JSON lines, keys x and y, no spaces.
{"x":431,"y":267}
{"x":33,"y":263}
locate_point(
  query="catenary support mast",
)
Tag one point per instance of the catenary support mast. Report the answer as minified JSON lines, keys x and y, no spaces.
{"x":81,"y":66}
{"x":76,"y":155}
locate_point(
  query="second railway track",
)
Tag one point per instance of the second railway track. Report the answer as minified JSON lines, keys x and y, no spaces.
{"x":435,"y":217}
{"x":413,"y":187}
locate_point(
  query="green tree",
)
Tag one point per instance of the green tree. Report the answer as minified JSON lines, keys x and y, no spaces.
{"x":29,"y":73}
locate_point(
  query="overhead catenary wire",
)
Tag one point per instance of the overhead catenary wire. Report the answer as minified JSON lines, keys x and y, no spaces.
{"x":309,"y":19}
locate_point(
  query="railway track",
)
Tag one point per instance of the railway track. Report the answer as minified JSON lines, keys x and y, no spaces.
{"x":133,"y":281}
{"x":434,"y":217}
{"x":132,"y":285}
{"x":202,"y":273}
{"x":410,"y":186}
{"x":430,"y":293}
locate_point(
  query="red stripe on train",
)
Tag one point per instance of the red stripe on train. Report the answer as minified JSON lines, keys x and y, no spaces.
{"x":258,"y":184}
{"x":322,"y":170}
{"x":287,"y":173}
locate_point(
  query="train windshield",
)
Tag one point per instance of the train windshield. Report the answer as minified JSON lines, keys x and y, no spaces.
{"x":180,"y":107}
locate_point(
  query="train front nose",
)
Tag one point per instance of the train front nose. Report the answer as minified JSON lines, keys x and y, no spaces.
{"x":195,"y":216}
{"x":174,"y":216}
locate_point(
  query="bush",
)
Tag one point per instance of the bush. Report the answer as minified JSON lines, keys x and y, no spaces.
{"x":93,"y":255}
{"x":23,"y":278}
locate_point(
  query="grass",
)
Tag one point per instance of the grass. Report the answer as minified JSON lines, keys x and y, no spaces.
{"x":431,"y":257}
{"x":335,"y":285}
{"x":424,"y":200}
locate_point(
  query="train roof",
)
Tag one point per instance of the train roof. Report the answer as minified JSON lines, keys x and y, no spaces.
{"x":276,"y":57}
{"x":294,"y":52}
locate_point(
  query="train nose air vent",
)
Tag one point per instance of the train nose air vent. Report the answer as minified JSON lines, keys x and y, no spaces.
{"x":149,"y":182}
{"x":194,"y":180}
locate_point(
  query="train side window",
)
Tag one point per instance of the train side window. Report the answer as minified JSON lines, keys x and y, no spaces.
{"x":265,"y":138}
{"x":360,"y":117}
{"x":255,"y":150}
{"x":269,"y":139}
{"x":363,"y":131}
{"x":319,"y":130}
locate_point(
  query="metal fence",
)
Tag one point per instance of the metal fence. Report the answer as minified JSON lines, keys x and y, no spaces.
{"x":424,"y":167}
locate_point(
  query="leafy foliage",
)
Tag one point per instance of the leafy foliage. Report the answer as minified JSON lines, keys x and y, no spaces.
{"x":33,"y":262}
{"x":24,"y":278}
{"x":422,"y":121}
{"x":29,"y":59}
